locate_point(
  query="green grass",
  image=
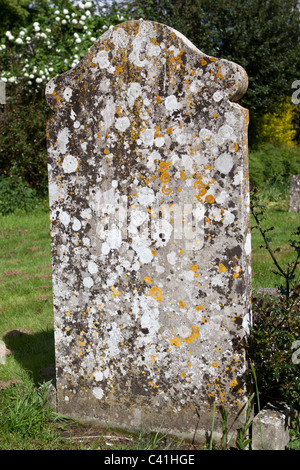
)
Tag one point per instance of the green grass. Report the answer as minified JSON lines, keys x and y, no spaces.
{"x":26,"y":327}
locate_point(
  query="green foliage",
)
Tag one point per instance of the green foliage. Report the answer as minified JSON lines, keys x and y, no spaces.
{"x":276,"y":127}
{"x":275,"y":330}
{"x":15,"y":194}
{"x":273,"y":163}
{"x":26,"y":415}
{"x":276,"y":323}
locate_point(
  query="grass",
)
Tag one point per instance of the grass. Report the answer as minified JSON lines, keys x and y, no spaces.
{"x":26,"y":329}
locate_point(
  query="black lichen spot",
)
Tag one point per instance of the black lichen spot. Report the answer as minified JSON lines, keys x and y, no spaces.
{"x":145,"y":331}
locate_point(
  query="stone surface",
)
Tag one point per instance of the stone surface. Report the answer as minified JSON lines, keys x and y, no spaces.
{"x":270,"y":429}
{"x":149,"y":209}
{"x":295,"y":194}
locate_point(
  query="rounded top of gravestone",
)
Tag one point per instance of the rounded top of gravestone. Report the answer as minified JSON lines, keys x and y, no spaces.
{"x":135,"y":50}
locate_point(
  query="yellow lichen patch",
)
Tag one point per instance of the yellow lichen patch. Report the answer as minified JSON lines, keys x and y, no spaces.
{"x":165,"y":177}
{"x":210,"y":198}
{"x":163,"y":166}
{"x":153,"y":385}
{"x":153,"y":358}
{"x":175,"y":341}
{"x":222,"y":268}
{"x":183,"y":374}
{"x":181,"y":304}
{"x":156,"y":293}
{"x":194,"y":268}
{"x":199,"y":307}
{"x":214,"y":364}
{"x":147,"y":279}
{"x":165,"y":190}
{"x":194,"y":335}
{"x":234,"y":383}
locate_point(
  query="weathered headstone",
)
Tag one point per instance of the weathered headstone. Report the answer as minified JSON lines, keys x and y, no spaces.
{"x":149,"y":208}
{"x":294,"y":203}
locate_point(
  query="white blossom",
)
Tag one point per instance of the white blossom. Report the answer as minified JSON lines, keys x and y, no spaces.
{"x":38,"y":80}
{"x":19,"y":41}
{"x":65,"y":12}
{"x":78,"y":40}
{"x":74,"y":21}
{"x":64,"y":21}
{"x":88,"y":5}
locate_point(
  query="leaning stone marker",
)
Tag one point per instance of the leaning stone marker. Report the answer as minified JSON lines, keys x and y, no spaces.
{"x":294,"y":202}
{"x":149,"y":209}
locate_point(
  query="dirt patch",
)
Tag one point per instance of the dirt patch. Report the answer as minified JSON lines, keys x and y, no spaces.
{"x":12,"y":273}
{"x":43,"y":298}
{"x":8,"y":383}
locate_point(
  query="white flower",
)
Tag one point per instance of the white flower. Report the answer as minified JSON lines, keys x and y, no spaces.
{"x":68,"y":17}
{"x":43,"y":35}
{"x":93,"y":39}
{"x":4,"y":79}
{"x":64,"y":22}
{"x":65,"y":12}
{"x":31,"y":75}
{"x":88,"y":13}
{"x":19,"y":41}
{"x":57,"y":18}
{"x":12,"y":79}
{"x":56,"y":12}
{"x":28,"y":39}
{"x":51,"y":69}
{"x":78,"y":40}
{"x":81,"y":5}
{"x":73,"y":15}
{"x":83,"y":17}
{"x":29,"y":82}
{"x":74,"y":21}
{"x":8,"y":33}
{"x":39,"y":80}
{"x":88,"y":5}
{"x":37,"y":28}
{"x":22,"y":33}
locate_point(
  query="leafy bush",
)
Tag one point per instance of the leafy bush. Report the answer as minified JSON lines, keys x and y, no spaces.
{"x":275,"y":333}
{"x":16,"y":194}
{"x":271,"y":348}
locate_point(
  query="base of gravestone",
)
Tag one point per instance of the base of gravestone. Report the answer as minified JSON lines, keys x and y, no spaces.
{"x":200,"y":435}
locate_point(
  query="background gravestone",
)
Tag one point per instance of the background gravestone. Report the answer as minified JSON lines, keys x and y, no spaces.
{"x":149,"y":209}
{"x":294,"y":203}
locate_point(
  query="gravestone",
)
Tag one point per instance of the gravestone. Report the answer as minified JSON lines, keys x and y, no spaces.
{"x":150,"y":230}
{"x":294,"y":202}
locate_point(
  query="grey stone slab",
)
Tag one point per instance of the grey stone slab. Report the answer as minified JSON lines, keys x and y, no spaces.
{"x":150,"y":230}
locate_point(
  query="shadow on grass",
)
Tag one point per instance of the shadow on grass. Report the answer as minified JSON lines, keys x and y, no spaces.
{"x":34,"y":352}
